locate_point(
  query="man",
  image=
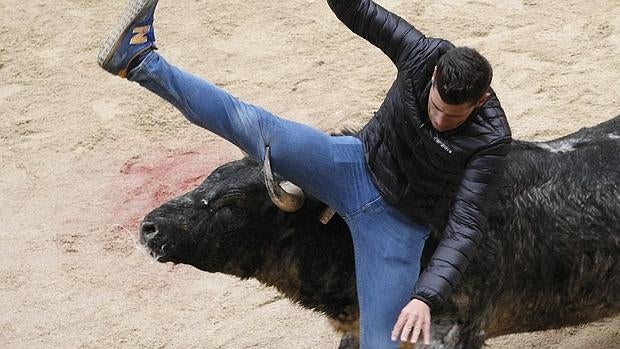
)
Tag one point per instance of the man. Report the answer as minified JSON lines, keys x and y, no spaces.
{"x":429,"y":157}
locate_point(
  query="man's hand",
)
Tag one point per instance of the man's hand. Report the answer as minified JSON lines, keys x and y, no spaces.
{"x":413,"y":319}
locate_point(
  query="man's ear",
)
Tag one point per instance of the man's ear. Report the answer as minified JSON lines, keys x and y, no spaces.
{"x":483,"y":99}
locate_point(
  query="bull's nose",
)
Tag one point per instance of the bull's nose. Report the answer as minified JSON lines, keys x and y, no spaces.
{"x":147,"y":230}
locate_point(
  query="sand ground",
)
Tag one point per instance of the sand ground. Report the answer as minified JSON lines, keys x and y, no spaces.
{"x":84,"y":155}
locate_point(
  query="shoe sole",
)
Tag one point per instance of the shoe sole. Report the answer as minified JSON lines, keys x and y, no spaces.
{"x":133,"y":10}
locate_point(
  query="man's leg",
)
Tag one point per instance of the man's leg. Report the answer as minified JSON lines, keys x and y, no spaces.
{"x":388,"y":248}
{"x":330,"y":168}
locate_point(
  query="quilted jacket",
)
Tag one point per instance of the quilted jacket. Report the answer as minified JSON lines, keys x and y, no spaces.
{"x":445,"y":179}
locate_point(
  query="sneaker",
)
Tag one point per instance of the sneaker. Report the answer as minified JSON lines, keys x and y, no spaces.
{"x":134,"y":34}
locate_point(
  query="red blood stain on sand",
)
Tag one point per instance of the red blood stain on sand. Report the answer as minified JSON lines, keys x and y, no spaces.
{"x":144,"y":183}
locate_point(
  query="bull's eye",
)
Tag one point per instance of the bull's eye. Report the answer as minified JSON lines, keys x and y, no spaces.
{"x":232,"y":198}
{"x":205,"y":202}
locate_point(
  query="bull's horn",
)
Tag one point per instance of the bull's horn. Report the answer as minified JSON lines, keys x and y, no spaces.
{"x":286,"y":195}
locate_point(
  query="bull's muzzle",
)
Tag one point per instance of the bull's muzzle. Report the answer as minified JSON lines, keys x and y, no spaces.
{"x":286,"y":195}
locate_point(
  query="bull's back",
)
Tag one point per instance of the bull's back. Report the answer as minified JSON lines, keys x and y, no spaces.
{"x":556,"y":233}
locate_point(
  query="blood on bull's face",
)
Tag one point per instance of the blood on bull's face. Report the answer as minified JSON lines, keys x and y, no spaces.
{"x":209,"y":226}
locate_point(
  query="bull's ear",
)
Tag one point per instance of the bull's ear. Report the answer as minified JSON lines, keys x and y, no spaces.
{"x":286,"y":195}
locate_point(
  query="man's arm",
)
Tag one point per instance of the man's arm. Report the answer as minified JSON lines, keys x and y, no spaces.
{"x":393,"y":35}
{"x":463,"y":231}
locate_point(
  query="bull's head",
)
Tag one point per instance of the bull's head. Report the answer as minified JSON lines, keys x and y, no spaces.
{"x":219,"y":219}
{"x":230,"y":225}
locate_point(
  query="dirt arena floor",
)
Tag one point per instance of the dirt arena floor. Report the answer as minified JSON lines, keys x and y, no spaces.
{"x":85,"y":155}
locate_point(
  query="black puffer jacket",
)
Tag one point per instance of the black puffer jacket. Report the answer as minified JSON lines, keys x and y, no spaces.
{"x":444,"y":179}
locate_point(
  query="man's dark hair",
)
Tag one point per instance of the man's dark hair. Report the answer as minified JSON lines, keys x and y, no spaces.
{"x":463,"y":75}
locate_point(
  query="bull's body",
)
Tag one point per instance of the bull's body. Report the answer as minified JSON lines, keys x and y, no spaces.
{"x":549,"y":258}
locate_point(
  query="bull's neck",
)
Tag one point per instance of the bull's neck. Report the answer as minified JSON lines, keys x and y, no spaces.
{"x":280,"y":264}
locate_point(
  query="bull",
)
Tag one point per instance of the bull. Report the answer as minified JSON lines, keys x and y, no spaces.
{"x":548,"y":258}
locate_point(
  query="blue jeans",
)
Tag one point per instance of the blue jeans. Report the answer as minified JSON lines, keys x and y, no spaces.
{"x":387,"y":244}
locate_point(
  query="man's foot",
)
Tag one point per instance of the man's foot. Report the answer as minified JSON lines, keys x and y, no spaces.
{"x":133,"y":35}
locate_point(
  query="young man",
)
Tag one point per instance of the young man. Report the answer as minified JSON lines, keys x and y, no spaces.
{"x":429,"y":157}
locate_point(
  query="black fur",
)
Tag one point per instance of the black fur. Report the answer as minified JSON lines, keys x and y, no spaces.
{"x":549,"y":258}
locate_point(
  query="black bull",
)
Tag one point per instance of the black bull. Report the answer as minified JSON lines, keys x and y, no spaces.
{"x":548,"y":259}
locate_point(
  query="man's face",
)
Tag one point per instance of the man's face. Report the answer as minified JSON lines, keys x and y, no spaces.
{"x":444,"y":116}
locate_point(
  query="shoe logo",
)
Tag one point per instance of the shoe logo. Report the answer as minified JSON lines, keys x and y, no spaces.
{"x":140,"y":35}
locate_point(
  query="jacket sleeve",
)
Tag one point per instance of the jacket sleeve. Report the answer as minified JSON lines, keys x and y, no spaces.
{"x":391,"y":34}
{"x":463,"y":230}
